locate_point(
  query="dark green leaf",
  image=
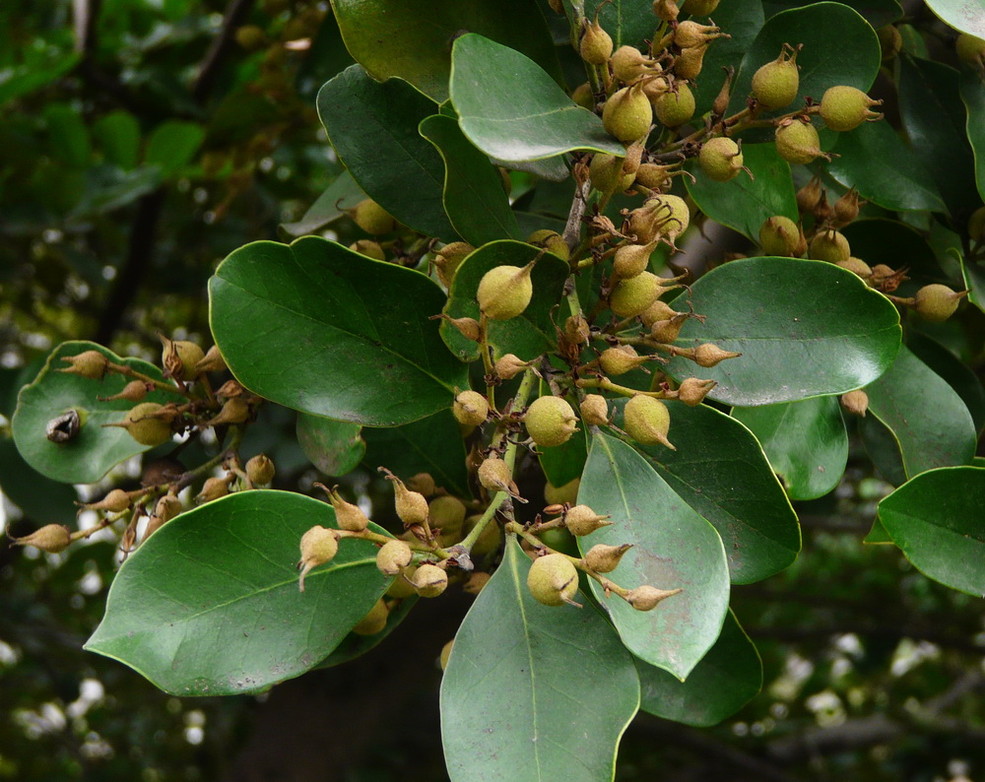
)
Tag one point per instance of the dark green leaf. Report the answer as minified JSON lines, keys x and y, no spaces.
{"x":936,"y":520}
{"x":108,"y":188}
{"x":745,"y":203}
{"x":86,"y":457}
{"x":323,"y":330}
{"x":512,"y":110}
{"x":839,"y":48}
{"x":876,"y":12}
{"x":742,"y":19}
{"x":968,"y":17}
{"x":432,"y":445}
{"x":955,"y":373}
{"x":894,"y":243}
{"x":334,"y":447}
{"x":929,"y":420}
{"x":884,"y":169}
{"x":934,"y":121}
{"x":791,"y":347}
{"x":342,"y":194}
{"x":355,"y":645}
{"x":973,"y":95}
{"x":118,"y":134}
{"x":721,"y":472}
{"x":373,"y":127}
{"x":39,"y":498}
{"x":628,"y":22}
{"x":527,"y":335}
{"x":225,"y":615}
{"x":474,"y":198}
{"x":724,"y":681}
{"x":173,"y":145}
{"x":674,"y":548}
{"x":395,"y":38}
{"x":883,"y":449}
{"x":973,"y":274}
{"x":68,"y":135}
{"x":532,"y":692}
{"x":805,"y":441}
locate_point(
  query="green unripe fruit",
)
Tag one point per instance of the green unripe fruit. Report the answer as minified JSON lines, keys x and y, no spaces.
{"x":970,"y":49}
{"x":936,"y":303}
{"x":489,"y":539}
{"x":551,"y":241}
{"x":606,"y":174}
{"x":470,"y":408}
{"x":627,"y":115}
{"x":720,"y":159}
{"x":449,"y":258}
{"x":635,"y":295}
{"x":429,"y":580}
{"x":690,"y":34}
{"x":620,"y":360}
{"x":890,"y":41}
{"x":656,"y":312}
{"x":689,"y":62}
{"x":775,"y":84}
{"x":583,"y":96}
{"x":661,"y":217}
{"x":393,"y":557}
{"x":373,"y":218}
{"x":594,"y":410}
{"x":856,"y":265}
{"x":780,"y":235}
{"x":595,"y":46}
{"x":844,"y":108}
{"x":553,"y":580}
{"x":411,"y":506}
{"x":180,"y":357}
{"x":505,"y":291}
{"x":144,"y":427}
{"x":831,"y":246}
{"x":495,"y":475}
{"x":676,"y":107}
{"x":374,"y":621}
{"x":446,"y":513}
{"x":550,"y":421}
{"x":559,"y":495}
{"x":797,"y":141}
{"x":631,"y":260}
{"x":369,"y":248}
{"x":629,"y":64}
{"x":89,"y":363}
{"x":582,"y":520}
{"x":647,"y":421}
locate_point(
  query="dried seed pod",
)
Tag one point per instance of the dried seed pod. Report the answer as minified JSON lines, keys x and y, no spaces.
{"x":429,"y":580}
{"x":855,"y":402}
{"x":318,"y":546}
{"x":393,"y":557}
{"x":470,"y":408}
{"x":594,"y":410}
{"x":374,"y":621}
{"x":260,"y":470}
{"x":582,"y":520}
{"x":51,"y":538}
{"x":603,"y":558}
{"x":646,"y":597}
{"x":411,"y":506}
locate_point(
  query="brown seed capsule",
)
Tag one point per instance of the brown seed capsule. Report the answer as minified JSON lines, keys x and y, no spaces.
{"x":369,"y":248}
{"x":604,"y":559}
{"x":348,"y":516}
{"x":667,"y":331}
{"x":134,"y":391}
{"x":855,"y":402}
{"x":115,"y":501}
{"x":856,"y":265}
{"x":495,"y":475}
{"x":693,"y":391}
{"x":50,"y":538}
{"x":213,"y":489}
{"x":620,"y":360}
{"x":65,"y":427}
{"x":646,"y":598}
{"x":582,"y":520}
{"x":411,"y":506}
{"x":168,"y":506}
{"x":234,"y":411}
{"x":809,"y":196}
{"x":180,"y":358}
{"x":260,"y":469}
{"x":709,"y":355}
{"x":476,"y":581}
{"x":509,"y":366}
{"x":90,"y":364}
{"x":429,"y":580}
{"x":577,"y":330}
{"x":846,"y":208}
{"x":393,"y":557}
{"x":318,"y":546}
{"x":212,"y":361}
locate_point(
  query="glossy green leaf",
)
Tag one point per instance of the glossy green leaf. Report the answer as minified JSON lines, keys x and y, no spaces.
{"x":373,"y":128}
{"x":805,"y":441}
{"x":628,"y":22}
{"x":884,"y":169}
{"x":512,"y":110}
{"x":875,"y":12}
{"x":334,"y":447}
{"x":533,"y":692}
{"x":88,"y":456}
{"x":840,"y":47}
{"x":474,"y":198}
{"x":968,"y":16}
{"x":721,"y":472}
{"x":172,"y":145}
{"x":39,"y":498}
{"x":527,"y":335}
{"x":973,"y":274}
{"x":673,"y":547}
{"x":791,"y":347}
{"x":727,"y":677}
{"x":883,"y":449}
{"x":934,"y":121}
{"x":742,"y":19}
{"x":342,"y":194}
{"x":118,"y":135}
{"x":972,"y":90}
{"x":224,"y":615}
{"x":746,"y":202}
{"x":955,"y":373}
{"x":894,"y":243}
{"x":432,"y":445}
{"x":929,"y":420}
{"x":396,"y":38}
{"x":935,"y":519}
{"x":355,"y":645}
{"x":323,"y":330}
